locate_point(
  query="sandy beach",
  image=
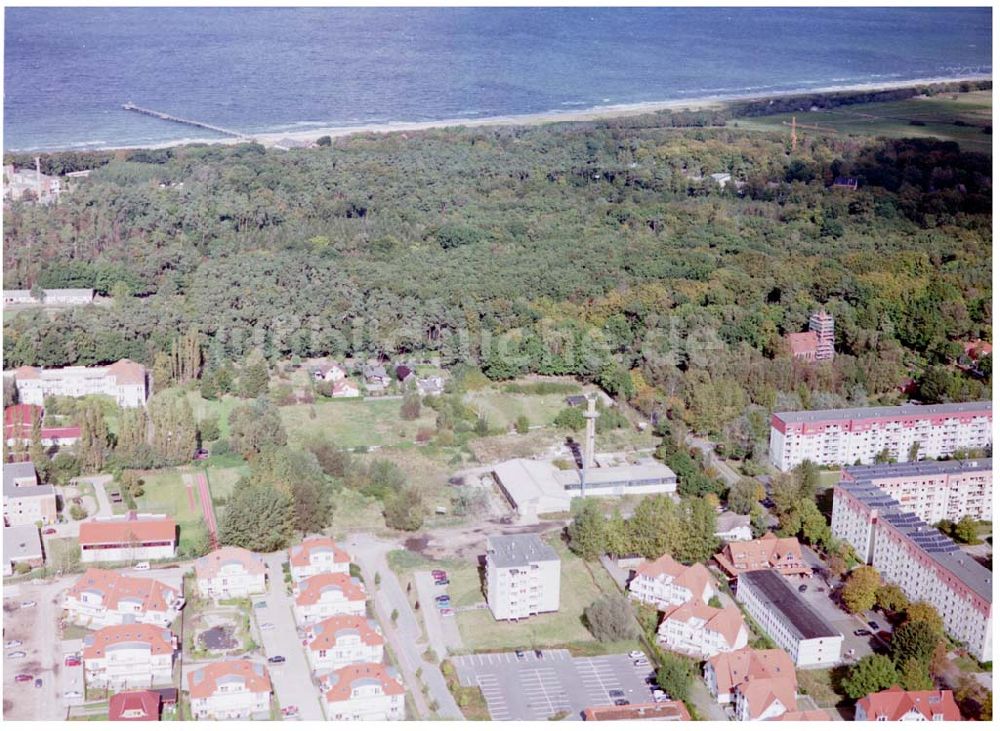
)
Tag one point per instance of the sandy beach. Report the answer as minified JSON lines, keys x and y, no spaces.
{"x":579,"y":115}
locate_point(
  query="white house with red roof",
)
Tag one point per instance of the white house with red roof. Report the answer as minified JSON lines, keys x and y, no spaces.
{"x":327,"y":595}
{"x":125,"y":381}
{"x":130,"y":537}
{"x":230,"y":689}
{"x":761,"y":684}
{"x":317,"y":555}
{"x":363,"y":692}
{"x":18,"y":420}
{"x":128,"y":656}
{"x":666,"y":582}
{"x":896,"y":704}
{"x":343,"y":640}
{"x":344,"y":389}
{"x":101,"y":598}
{"x":698,"y":630}
{"x":230,"y":572}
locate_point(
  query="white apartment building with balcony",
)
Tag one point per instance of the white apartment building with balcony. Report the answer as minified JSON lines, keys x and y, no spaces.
{"x":101,"y":598}
{"x":327,"y":595}
{"x":229,"y":690}
{"x":848,"y":436}
{"x":522,"y":576}
{"x":128,"y":656}
{"x":125,"y":381}
{"x":666,"y":582}
{"x":698,"y":630}
{"x":927,"y":565}
{"x":343,"y":640}
{"x":230,"y":572}
{"x":933,"y":491}
{"x":363,"y":692}
{"x":317,"y":555}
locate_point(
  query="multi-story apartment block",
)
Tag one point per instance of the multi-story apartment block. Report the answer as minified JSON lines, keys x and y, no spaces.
{"x":522,"y":576}
{"x":761,"y":684}
{"x":933,"y":491}
{"x":363,"y":692}
{"x":230,"y":689}
{"x":767,"y":552}
{"x":666,"y":582}
{"x":327,"y":595}
{"x":343,"y":640}
{"x":229,"y":573}
{"x":857,"y":436}
{"x":317,"y":555}
{"x":927,"y":565}
{"x":125,"y":381}
{"x":701,"y":631}
{"x":25,"y":502}
{"x":798,"y":629}
{"x":896,"y":704}
{"x":102,"y":598}
{"x":128,"y":656}
{"x":130,"y":537}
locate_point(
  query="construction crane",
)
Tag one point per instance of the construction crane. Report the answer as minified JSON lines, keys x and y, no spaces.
{"x":815,"y":127}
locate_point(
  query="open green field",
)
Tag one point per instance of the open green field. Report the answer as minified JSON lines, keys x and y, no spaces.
{"x":580,"y":584}
{"x":502,"y":409}
{"x":350,"y":423}
{"x":936,"y":117}
{"x":220,"y":408}
{"x":221,"y":480}
{"x":164,"y":492}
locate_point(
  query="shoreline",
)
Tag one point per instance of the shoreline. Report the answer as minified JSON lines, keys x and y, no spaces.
{"x":590,"y":114}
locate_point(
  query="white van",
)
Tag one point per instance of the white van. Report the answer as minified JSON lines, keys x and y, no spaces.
{"x":141,"y":566}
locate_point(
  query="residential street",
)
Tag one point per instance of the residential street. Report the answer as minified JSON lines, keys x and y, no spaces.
{"x":292,"y":681}
{"x":369,"y":553}
{"x":442,"y":632}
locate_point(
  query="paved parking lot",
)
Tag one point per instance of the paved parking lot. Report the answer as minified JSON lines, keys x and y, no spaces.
{"x":535,"y":689}
{"x":817,"y":596}
{"x":442,"y":632}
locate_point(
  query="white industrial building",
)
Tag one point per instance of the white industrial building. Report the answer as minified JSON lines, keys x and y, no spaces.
{"x":125,"y":381}
{"x":927,"y":565}
{"x":771,"y":601}
{"x":933,"y":491}
{"x":49,"y":297}
{"x":522,"y":576}
{"x":849,"y":436}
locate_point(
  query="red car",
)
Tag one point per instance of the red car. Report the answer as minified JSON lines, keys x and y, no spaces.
{"x":73,"y":661}
{"x":49,"y":532}
{"x":22,"y":678}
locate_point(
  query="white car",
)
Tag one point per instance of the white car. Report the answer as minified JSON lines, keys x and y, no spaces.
{"x":72,"y":694}
{"x":141,"y":566}
{"x":267,"y":626}
{"x":26,"y":605}
{"x":637,"y":654}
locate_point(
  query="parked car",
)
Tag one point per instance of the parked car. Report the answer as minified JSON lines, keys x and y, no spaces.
{"x":23,"y":678}
{"x":616,"y":693}
{"x":441,"y":582}
{"x":267,"y":626}
{"x":38,"y":682}
{"x":873,"y":625}
{"x":862,"y":633}
{"x":49,"y":532}
{"x":201,"y":454}
{"x":72,"y":661}
{"x":141,"y":566}
{"x":621,"y":702}
{"x":10,"y":644}
{"x":659,"y":696}
{"x":446,"y":611}
{"x":538,"y":654}
{"x":519,"y":653}
{"x":442,"y":598}
{"x":72,"y":694}
{"x":640,"y":662}
{"x":636,"y":654}
{"x":439,"y":574}
{"x":16,"y":654}
{"x":260,"y":605}
{"x":289,"y":711}
{"x":28,"y":604}
{"x":276,"y":660}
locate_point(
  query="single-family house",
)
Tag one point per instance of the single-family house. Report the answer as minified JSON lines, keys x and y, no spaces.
{"x":767,"y":552}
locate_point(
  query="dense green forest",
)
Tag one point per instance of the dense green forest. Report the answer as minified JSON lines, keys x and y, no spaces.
{"x":601,"y":250}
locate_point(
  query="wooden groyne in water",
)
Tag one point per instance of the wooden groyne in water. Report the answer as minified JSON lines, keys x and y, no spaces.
{"x":130,"y":107}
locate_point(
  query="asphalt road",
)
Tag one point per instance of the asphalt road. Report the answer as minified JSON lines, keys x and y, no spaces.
{"x":725,"y":472}
{"x":292,"y":681}
{"x":402,"y":636}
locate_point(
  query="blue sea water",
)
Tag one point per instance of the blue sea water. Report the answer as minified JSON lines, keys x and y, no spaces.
{"x":67,"y":71}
